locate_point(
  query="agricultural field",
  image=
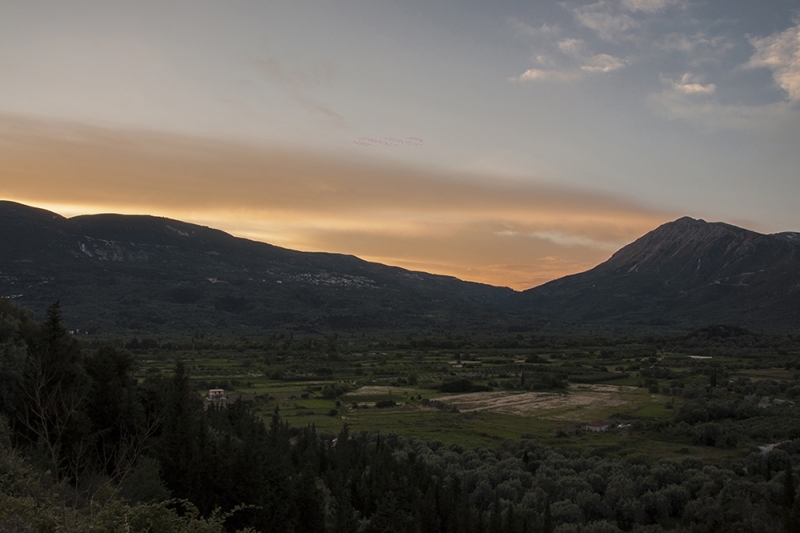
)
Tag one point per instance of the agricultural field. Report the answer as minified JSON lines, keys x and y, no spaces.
{"x":484,"y":392}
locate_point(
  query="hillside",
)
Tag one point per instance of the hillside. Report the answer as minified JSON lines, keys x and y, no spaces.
{"x":142,"y":273}
{"x":685,"y":273}
{"x":149,"y":274}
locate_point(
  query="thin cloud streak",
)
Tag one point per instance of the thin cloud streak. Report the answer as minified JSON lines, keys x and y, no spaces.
{"x":448,"y":222}
{"x":297,"y":81}
{"x":535,"y":74}
{"x":649,"y":6}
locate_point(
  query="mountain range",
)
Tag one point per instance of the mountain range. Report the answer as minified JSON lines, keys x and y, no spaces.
{"x":140,"y":274}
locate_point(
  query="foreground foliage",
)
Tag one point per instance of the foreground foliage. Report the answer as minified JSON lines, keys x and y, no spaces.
{"x":86,"y":447}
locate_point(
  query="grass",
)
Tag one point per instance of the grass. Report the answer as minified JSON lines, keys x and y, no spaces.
{"x":777,"y":374}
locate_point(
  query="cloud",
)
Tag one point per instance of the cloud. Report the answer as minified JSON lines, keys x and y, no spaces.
{"x":603,"y":63}
{"x":577,"y":50}
{"x":563,"y":239}
{"x":580,"y":59}
{"x":477,"y":227}
{"x":710,"y":113}
{"x":320,"y":75}
{"x":535,"y":74}
{"x":527,"y":31}
{"x":690,"y":85}
{"x":780,"y":52}
{"x":298,"y":82}
{"x":649,"y":6}
{"x":679,"y":43}
{"x":689,"y":44}
{"x":693,"y":101}
{"x":572,"y":47}
{"x":700,"y":48}
{"x":600,"y":18}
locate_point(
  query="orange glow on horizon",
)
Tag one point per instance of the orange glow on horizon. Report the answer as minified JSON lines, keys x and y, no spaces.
{"x":509,"y":234}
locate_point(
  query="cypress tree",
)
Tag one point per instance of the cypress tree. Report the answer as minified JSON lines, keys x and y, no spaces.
{"x":181,"y":433}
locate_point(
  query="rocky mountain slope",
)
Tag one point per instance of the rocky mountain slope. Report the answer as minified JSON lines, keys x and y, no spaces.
{"x":687,"y":272}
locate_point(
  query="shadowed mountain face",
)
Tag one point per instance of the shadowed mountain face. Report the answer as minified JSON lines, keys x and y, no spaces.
{"x":116,"y":272}
{"x":148,"y":274}
{"x":685,"y":273}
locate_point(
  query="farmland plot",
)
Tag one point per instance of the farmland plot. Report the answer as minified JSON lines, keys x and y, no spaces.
{"x":570,"y":405}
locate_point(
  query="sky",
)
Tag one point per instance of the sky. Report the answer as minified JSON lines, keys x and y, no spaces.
{"x":506,"y":142}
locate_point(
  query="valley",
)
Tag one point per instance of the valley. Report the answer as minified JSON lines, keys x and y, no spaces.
{"x":541,"y":388}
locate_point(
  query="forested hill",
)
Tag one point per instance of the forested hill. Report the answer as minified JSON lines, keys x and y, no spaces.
{"x":116,"y":272}
{"x":145,"y":274}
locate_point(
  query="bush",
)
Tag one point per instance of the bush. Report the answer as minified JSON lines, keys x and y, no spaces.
{"x":459,"y":385}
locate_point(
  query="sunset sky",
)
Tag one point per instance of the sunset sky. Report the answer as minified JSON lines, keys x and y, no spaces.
{"x":508,"y":142}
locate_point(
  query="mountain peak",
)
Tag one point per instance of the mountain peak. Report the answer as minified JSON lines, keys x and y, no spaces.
{"x":687,"y":270}
{"x":688,"y":220}
{"x":686,"y":238}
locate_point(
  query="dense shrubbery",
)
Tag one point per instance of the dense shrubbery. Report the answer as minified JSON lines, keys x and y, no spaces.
{"x":462,"y":385}
{"x":334,"y":391}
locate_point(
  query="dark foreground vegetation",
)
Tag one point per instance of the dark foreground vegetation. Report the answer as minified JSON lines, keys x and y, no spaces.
{"x":89,"y":441}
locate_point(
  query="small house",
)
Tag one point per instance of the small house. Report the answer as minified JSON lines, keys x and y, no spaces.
{"x":216,"y":394}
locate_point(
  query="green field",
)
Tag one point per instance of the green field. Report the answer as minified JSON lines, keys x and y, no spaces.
{"x":536,"y":389}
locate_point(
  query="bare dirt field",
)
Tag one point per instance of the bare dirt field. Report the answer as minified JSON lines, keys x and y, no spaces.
{"x":572,"y":404}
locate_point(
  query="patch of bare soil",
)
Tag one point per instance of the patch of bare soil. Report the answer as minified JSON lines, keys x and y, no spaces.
{"x":542,"y":404}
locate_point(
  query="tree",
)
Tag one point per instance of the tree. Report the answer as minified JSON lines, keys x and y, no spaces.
{"x":13,"y":350}
{"x":181,"y":433}
{"x":121,"y":426}
{"x":54,"y":387}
